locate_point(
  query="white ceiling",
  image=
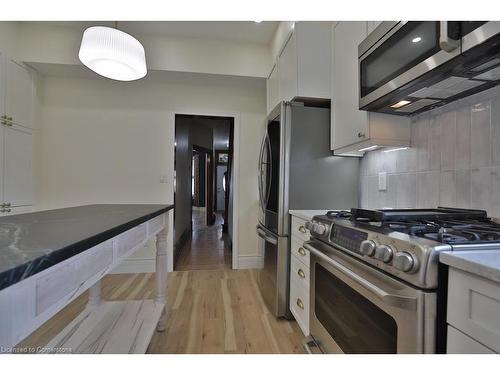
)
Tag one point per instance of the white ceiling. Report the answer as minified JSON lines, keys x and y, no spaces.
{"x":239,"y":31}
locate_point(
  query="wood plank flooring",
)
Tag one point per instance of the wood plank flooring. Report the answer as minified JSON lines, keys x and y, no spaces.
{"x":209,"y":311}
{"x":207,"y":248}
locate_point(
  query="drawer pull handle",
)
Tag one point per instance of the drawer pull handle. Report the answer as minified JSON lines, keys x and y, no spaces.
{"x":302,"y":229}
{"x":300,"y":303}
{"x":302,"y":251}
{"x":301,"y":273}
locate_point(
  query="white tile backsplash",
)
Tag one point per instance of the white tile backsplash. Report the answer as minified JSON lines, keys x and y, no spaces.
{"x":454,"y":160}
{"x":480,"y":135}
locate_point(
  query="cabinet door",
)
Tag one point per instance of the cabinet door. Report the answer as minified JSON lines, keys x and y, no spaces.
{"x":287,"y":70}
{"x":2,"y":124}
{"x":18,"y":166}
{"x":272,"y":89}
{"x":19,"y":94}
{"x":349,"y":124}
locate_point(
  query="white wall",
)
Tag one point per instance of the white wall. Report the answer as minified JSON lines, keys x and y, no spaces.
{"x":8,"y":38}
{"x":108,"y":142}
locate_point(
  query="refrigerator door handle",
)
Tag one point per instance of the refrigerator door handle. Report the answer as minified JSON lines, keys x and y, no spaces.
{"x":259,"y":173}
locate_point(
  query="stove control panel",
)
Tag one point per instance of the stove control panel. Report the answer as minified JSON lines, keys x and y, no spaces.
{"x":376,"y":250}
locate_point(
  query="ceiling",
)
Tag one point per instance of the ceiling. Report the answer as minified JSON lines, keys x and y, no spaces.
{"x":238,"y":31}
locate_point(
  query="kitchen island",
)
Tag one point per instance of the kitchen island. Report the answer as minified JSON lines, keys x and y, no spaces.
{"x":49,"y":258}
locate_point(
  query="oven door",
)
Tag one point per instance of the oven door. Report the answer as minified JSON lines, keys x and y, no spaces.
{"x":355,"y":308}
{"x":396,"y":53}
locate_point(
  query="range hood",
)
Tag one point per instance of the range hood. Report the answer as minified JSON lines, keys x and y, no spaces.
{"x":411,"y":67}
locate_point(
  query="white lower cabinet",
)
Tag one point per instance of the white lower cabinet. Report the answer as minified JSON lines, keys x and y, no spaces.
{"x":473,"y":313}
{"x":299,"y":275}
{"x":460,"y":343}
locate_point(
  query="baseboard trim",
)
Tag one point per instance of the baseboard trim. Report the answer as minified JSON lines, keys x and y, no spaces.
{"x":140,"y":265}
{"x":246,"y":262}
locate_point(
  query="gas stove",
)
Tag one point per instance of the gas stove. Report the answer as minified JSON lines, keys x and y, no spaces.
{"x":406,"y":243}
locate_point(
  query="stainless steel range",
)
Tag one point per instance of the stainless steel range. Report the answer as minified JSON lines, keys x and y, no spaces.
{"x":376,"y":284}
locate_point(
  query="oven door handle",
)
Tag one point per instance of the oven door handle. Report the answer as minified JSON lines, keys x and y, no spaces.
{"x":262,"y":234}
{"x":404,"y":302}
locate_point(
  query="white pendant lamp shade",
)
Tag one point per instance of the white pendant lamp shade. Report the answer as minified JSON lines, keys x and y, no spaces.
{"x":113,"y":54}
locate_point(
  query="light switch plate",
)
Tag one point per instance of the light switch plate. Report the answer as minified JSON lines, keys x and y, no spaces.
{"x":382,"y":181}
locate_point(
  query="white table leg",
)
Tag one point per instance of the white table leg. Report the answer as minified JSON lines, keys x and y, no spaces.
{"x":95,"y":294}
{"x":161,"y":274}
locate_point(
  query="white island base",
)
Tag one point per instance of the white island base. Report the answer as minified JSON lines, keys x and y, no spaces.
{"x":103,"y":326}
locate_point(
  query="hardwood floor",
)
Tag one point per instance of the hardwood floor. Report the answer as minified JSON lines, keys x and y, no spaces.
{"x":209,"y":311}
{"x":206,"y":249}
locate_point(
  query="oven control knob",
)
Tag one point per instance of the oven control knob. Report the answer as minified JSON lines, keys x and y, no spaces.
{"x":320,"y":229}
{"x":309,"y":225}
{"x":404,"y":261}
{"x":384,"y":253}
{"x":368,"y":247}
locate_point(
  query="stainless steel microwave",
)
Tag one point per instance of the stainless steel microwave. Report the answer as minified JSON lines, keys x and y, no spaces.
{"x":410,"y":67}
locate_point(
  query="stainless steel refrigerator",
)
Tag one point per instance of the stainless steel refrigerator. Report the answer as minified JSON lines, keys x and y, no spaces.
{"x":296,"y":171}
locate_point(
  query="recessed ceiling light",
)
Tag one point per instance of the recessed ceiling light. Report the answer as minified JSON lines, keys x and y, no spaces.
{"x":258,"y":21}
{"x":400,"y":104}
{"x":416,"y":40}
{"x":112,"y":53}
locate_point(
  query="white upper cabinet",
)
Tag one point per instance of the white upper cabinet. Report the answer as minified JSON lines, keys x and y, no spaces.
{"x":287,"y":69}
{"x":18,"y":166}
{"x":302,"y":68}
{"x":352,"y":129}
{"x":273,"y":96}
{"x":19,"y":94}
{"x":349,"y":124}
{"x":16,"y":137}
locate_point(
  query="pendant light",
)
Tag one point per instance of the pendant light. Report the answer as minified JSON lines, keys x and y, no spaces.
{"x":112,"y":53}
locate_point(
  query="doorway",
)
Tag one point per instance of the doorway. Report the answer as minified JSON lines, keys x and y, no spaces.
{"x":203,"y":217}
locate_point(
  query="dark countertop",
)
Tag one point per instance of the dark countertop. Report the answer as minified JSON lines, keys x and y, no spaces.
{"x":32,"y":242}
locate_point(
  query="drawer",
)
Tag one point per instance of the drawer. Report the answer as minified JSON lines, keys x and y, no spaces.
{"x":299,"y":230}
{"x":55,"y":285}
{"x":155,"y":224}
{"x":299,"y":273}
{"x":131,"y":239}
{"x":474,"y":307}
{"x":299,"y":306}
{"x":460,"y":343}
{"x":98,"y":259}
{"x":300,"y":252}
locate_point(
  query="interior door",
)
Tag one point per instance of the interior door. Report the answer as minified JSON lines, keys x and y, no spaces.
{"x":19,"y":94}
{"x":18,"y":166}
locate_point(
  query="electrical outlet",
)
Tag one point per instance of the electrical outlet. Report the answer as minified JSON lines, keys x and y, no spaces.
{"x":382,"y":181}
